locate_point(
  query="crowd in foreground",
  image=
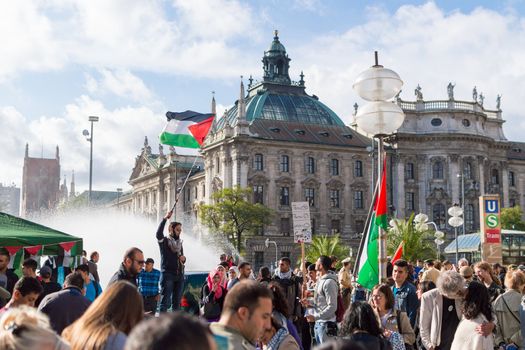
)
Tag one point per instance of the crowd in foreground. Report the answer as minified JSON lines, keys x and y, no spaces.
{"x":317,"y":305}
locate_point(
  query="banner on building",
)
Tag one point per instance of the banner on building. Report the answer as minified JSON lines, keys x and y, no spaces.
{"x":490,"y":228}
{"x":302,"y":225}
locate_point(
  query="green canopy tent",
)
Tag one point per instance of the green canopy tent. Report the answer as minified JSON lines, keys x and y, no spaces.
{"x":35,"y":239}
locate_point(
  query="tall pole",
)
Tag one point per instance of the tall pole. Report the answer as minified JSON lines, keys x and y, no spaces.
{"x":457,"y":247}
{"x":382,"y":232}
{"x":462,"y":202}
{"x":90,"y":163}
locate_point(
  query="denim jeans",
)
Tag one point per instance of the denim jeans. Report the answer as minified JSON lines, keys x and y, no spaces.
{"x":171,"y":287}
{"x":320,"y":332}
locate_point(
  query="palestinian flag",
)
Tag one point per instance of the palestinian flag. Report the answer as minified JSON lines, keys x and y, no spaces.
{"x":367,"y":263}
{"x":186,"y":129}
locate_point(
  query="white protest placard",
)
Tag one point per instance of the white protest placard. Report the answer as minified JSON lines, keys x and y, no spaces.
{"x":302,"y":226}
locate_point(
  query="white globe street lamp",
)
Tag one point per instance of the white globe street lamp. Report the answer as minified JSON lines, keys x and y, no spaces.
{"x":379,"y":118}
{"x":455,"y":221}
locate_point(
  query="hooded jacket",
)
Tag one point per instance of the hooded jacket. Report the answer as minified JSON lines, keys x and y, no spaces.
{"x":325,"y":297}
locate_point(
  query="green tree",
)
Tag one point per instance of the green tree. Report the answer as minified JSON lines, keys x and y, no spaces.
{"x":325,"y":245}
{"x":417,"y":237}
{"x":234,"y":215}
{"x":511,"y":218}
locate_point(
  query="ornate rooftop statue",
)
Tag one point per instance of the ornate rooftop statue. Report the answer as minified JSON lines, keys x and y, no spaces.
{"x":450,"y":91}
{"x":475,"y":94}
{"x":356,"y":106}
{"x":397,"y":96}
{"x":418,"y":93}
{"x":498,"y":102}
{"x":481,"y":99}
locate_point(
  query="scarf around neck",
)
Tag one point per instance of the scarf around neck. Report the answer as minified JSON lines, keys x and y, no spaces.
{"x":175,"y":244}
{"x":283,"y":275}
{"x":277,"y":339}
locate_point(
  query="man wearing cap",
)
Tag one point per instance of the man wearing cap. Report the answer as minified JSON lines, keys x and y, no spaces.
{"x":149,"y":286}
{"x":345,"y":282}
{"x":430,"y":273}
{"x":48,"y":285}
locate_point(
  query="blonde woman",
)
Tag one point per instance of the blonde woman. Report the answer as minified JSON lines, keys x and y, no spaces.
{"x":107,"y":322}
{"x":25,"y":328}
{"x":507,"y":309}
{"x":486,"y":276}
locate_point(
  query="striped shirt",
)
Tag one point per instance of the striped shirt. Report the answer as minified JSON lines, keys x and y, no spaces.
{"x":149,"y":282}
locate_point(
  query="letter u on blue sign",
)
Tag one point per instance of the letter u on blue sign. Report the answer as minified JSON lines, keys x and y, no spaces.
{"x":491,"y":206}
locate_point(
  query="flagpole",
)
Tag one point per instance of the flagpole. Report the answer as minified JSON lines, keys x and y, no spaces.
{"x":382,"y":233}
{"x":183,"y":184}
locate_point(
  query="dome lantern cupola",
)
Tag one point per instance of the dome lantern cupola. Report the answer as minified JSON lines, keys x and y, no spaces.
{"x":276,"y":63}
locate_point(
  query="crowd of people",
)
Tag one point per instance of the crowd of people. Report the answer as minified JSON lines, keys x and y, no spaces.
{"x":427,"y":304}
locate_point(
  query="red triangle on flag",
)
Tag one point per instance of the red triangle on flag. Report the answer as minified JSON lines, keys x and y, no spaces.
{"x":33,"y":250}
{"x":12,"y":250}
{"x":200,"y":130}
{"x":67,"y":245}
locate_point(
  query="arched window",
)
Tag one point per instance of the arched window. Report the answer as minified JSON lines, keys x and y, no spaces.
{"x":438,"y":215}
{"x":437,"y":170}
{"x":469,"y":217}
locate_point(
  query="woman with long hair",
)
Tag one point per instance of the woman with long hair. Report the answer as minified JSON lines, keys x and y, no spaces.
{"x":392,"y":320}
{"x":281,"y":311}
{"x":360,"y":324}
{"x":212,"y":296}
{"x":486,"y":276}
{"x":477,"y":309}
{"x":108,"y":321}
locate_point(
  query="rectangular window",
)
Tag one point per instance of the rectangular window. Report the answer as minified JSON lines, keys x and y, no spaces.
{"x":285,"y":196}
{"x":335,"y":227}
{"x":409,"y":201}
{"x":358,"y":168}
{"x":195,"y":194}
{"x":285,"y":164}
{"x":309,"y":196}
{"x":310,"y":165}
{"x":258,"y":260}
{"x":285,"y":226}
{"x":258,"y":192}
{"x":314,"y":231}
{"x":258,"y":162}
{"x":203,"y":191}
{"x":285,"y":255}
{"x":334,"y":167}
{"x":334,"y":198}
{"x":218,"y":164}
{"x":512,"y":179}
{"x":409,"y":171}
{"x":358,"y":200}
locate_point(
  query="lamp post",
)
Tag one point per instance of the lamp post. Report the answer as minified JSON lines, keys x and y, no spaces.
{"x":379,"y":118}
{"x":422,"y":224}
{"x":462,"y":175}
{"x":89,"y":138}
{"x":267,"y":244}
{"x":455,"y":221}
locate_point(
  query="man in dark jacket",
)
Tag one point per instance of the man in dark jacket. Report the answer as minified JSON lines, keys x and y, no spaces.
{"x":66,"y":306}
{"x":291,"y":285}
{"x":172,"y":262}
{"x":130,"y":267}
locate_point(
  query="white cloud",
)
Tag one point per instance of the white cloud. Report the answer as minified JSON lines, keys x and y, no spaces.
{"x":429,"y":47}
{"x":120,"y":82}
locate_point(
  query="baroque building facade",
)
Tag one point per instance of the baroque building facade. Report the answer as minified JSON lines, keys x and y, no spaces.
{"x":288,"y":146}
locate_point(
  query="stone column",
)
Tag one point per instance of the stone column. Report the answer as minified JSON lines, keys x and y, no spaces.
{"x":298,"y":175}
{"x":481,"y":167}
{"x":453,"y":176}
{"x":160,"y":197}
{"x":505,"y":183}
{"x":347,"y":167}
{"x":398,"y":182}
{"x":423,"y":172}
{"x":208,"y":165}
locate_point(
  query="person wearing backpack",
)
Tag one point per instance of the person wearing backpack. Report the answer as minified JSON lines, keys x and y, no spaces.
{"x":325,"y":301}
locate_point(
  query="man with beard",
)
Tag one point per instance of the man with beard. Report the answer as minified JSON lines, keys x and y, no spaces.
{"x":172,"y":262}
{"x":130,"y":267}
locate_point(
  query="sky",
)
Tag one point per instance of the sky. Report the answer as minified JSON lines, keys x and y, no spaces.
{"x":131,"y":61}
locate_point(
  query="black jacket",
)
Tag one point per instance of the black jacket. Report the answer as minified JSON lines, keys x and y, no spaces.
{"x":122,"y":274}
{"x":169,"y":261}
